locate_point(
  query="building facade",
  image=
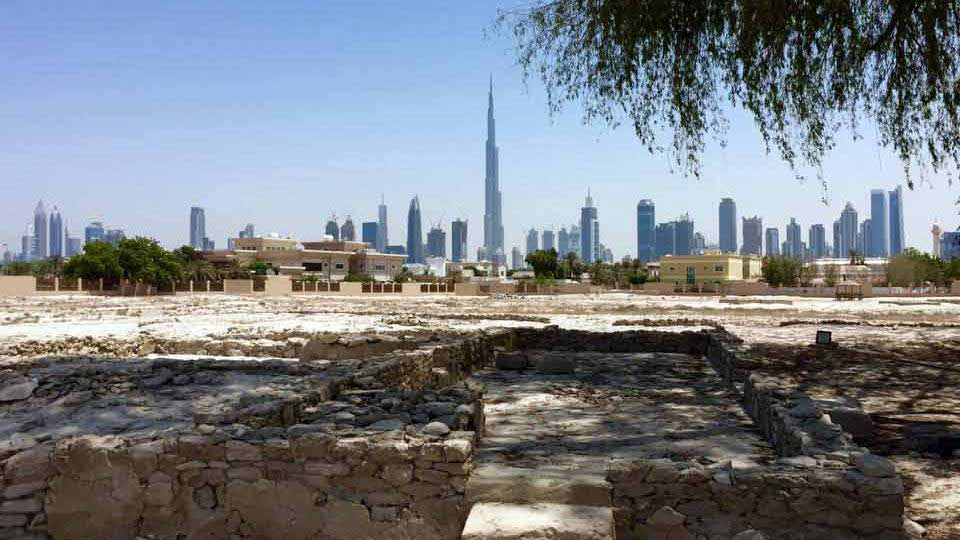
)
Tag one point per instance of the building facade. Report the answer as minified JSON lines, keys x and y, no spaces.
{"x":817,"y":241}
{"x":709,"y":269}
{"x":533,"y":241}
{"x":437,"y":243}
{"x":589,"y":232}
{"x":414,"y":233}
{"x":772,"y":239}
{"x":684,"y":230}
{"x":332,"y":229}
{"x":794,"y":241}
{"x":370,"y":233}
{"x":728,"y":225}
{"x":752,"y":236}
{"x":895,"y":227}
{"x":666,"y":239}
{"x":382,"y":236}
{"x":848,"y":229}
{"x":549,"y":240}
{"x":93,"y":232}
{"x":458,"y":240}
{"x":493,"y":198}
{"x":950,"y":245}
{"x":879,"y":241}
{"x":348,"y":233}
{"x":57,"y":248}
{"x":516,"y":257}
{"x":646,"y":231}
{"x":198,"y":228}
{"x":40,"y":248}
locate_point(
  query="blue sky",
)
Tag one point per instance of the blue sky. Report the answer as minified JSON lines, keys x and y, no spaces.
{"x":282,"y":113}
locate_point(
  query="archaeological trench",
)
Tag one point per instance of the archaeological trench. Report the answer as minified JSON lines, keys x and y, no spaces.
{"x":507,"y":433}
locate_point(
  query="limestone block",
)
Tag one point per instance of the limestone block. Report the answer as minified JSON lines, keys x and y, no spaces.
{"x":16,"y":491}
{"x":542,"y":521}
{"x":277,"y":509}
{"x":21,"y":506}
{"x":17,"y":389}
{"x":873,"y":465}
{"x":514,"y":361}
{"x":397,"y":474}
{"x":241,"y":451}
{"x":553,"y":364}
{"x":30,"y":465}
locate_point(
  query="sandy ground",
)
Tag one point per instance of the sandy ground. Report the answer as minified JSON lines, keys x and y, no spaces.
{"x":899,"y":357}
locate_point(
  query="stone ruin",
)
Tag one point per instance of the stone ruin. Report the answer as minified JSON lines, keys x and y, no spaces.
{"x":522,"y":433}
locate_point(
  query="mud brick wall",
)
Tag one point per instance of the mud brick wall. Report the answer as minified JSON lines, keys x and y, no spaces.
{"x":552,"y":338}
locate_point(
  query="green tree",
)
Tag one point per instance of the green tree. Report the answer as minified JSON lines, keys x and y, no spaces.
{"x":143,"y":259}
{"x":782,"y":271}
{"x":99,"y":260}
{"x":802,"y":70}
{"x":18,"y":268}
{"x":544,"y":263}
{"x":358,"y":278}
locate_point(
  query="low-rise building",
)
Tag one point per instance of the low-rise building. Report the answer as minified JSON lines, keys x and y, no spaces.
{"x":328,"y":259}
{"x":709,"y":269}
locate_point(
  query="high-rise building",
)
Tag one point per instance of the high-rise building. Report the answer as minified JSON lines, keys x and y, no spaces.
{"x":93,"y":232}
{"x":836,"y":239}
{"x":849,"y":226}
{"x":533,"y":241}
{"x":666,"y":239}
{"x":458,"y":240}
{"x":563,"y":242}
{"x":895,"y":229}
{"x":414,"y":233}
{"x":817,"y":241}
{"x":198,"y":227}
{"x":773,"y":241}
{"x":348,"y":233}
{"x":332,"y":229}
{"x":26,"y":247}
{"x":936,"y":231}
{"x":574,"y":240}
{"x":516,"y":258}
{"x":436,"y":242}
{"x":646,"y":231}
{"x":950,"y":245}
{"x":247,"y":232}
{"x":57,"y":249}
{"x":589,"y":232}
{"x":684,"y":236}
{"x":493,"y":200}
{"x":40,"y":247}
{"x":794,"y":239}
{"x":699,"y":244}
{"x":728,"y":225}
{"x":752,"y":236}
{"x":549,"y":240}
{"x":72,"y":245}
{"x":369,"y":233}
{"x":879,"y":241}
{"x":865,"y":237}
{"x":114,"y":236}
{"x":382,"y":237}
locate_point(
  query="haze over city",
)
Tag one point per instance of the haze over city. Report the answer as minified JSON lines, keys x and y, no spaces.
{"x":282,"y":116}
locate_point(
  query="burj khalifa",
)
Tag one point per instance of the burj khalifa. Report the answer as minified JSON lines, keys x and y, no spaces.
{"x":492,"y":215}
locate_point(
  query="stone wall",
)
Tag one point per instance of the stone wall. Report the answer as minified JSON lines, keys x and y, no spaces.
{"x":18,"y":285}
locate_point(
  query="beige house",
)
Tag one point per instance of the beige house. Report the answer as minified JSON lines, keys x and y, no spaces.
{"x":709,"y":269}
{"x":327,"y":259}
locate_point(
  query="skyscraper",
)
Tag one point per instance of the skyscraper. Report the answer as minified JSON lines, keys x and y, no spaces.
{"x":414,"y":233}
{"x":879,"y":244}
{"x":728,"y":226}
{"x":646,"y":231}
{"x":40,"y":248}
{"x":57,"y":248}
{"x":93,"y":232}
{"x":817,"y":241}
{"x":589,"y":232}
{"x":247,"y":232}
{"x":773,"y":241}
{"x":369,"y":233}
{"x":684,"y":235}
{"x":865,"y":238}
{"x":493,"y":216}
{"x":458,"y":240}
{"x":848,"y":231}
{"x":436,"y":242}
{"x":382,"y":238}
{"x":936,"y":231}
{"x":666,"y":239}
{"x":794,"y":239}
{"x":71,"y":245}
{"x":549,"y":240}
{"x":348,"y":233}
{"x":332,"y":229}
{"x":897,"y":239}
{"x":563,"y":242}
{"x":198,"y":227}
{"x":533,"y":241}
{"x":574,"y":240}
{"x":752,"y":236}
{"x":836,"y":239}
{"x":516,"y":257}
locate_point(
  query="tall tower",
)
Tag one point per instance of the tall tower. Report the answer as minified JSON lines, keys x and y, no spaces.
{"x":936,"y":231}
{"x":458,"y":240}
{"x":589,"y":232}
{"x":382,"y":238}
{"x":492,"y":215}
{"x":897,"y":239}
{"x":40,"y":250}
{"x":728,"y":225}
{"x":879,"y":241}
{"x":646,"y":231}
{"x":198,"y":227}
{"x":414,"y":233}
{"x":56,"y":234}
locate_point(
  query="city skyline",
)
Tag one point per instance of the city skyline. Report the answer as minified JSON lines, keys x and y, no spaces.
{"x":364,"y":132}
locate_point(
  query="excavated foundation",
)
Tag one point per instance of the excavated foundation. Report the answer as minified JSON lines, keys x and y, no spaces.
{"x":524,"y":433}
